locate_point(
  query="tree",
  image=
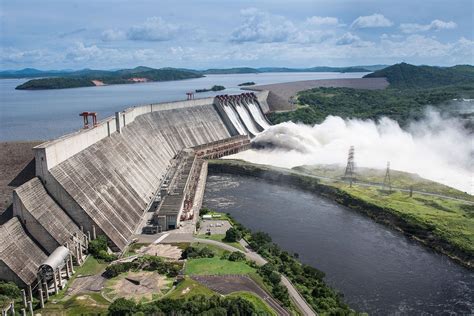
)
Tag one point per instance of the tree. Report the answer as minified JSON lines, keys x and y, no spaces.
{"x":232,"y":235}
{"x":122,"y":307}
{"x":236,"y":256}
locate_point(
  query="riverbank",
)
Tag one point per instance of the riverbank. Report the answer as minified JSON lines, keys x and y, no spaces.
{"x":425,"y":232}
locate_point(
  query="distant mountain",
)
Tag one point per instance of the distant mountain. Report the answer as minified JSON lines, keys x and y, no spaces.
{"x":35,"y":73}
{"x":404,"y":75}
{"x":89,"y":77}
{"x":240,"y":70}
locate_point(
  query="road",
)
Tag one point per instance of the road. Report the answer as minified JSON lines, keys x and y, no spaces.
{"x":300,"y":302}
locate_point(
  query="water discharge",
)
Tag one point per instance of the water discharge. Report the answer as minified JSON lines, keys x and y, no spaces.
{"x":258,"y":116}
{"x":244,"y":115}
{"x":234,"y":119}
{"x":437,"y":148}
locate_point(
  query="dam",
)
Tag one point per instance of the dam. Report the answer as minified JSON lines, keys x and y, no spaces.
{"x":135,"y":171}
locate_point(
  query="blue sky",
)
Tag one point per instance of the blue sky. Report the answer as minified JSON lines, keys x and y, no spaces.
{"x":104,"y":34}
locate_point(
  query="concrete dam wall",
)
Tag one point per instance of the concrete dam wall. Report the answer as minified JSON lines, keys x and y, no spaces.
{"x":102,"y":180}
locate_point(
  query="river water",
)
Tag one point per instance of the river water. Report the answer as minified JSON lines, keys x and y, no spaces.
{"x":46,"y":114}
{"x":378,"y":270}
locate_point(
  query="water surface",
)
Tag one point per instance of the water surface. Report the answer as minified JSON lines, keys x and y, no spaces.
{"x":377,"y":269}
{"x":46,"y":114}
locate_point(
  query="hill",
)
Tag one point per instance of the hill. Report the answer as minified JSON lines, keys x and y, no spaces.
{"x":88,"y":77}
{"x":406,"y":76}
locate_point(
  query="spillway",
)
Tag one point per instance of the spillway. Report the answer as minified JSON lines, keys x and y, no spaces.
{"x":258,"y":115}
{"x":234,"y":118}
{"x":246,"y":119}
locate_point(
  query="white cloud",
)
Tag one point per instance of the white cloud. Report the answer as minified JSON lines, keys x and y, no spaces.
{"x":368,"y":21}
{"x":113,"y":35}
{"x":347,"y":39}
{"x":153,"y":29}
{"x":323,"y":20}
{"x":435,"y":25}
{"x":259,"y":26}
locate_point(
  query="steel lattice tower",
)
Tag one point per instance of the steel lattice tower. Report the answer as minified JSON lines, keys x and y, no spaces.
{"x":387,"y":180}
{"x":349,"y":173}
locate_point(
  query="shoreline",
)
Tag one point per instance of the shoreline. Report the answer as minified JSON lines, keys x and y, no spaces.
{"x":412,"y":230}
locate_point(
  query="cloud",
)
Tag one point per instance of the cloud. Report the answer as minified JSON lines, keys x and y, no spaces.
{"x":369,"y":21}
{"x":74,"y":32}
{"x":323,"y":20}
{"x":113,"y":35}
{"x":347,"y":39}
{"x":261,"y":27}
{"x":153,"y":29}
{"x":435,"y":25}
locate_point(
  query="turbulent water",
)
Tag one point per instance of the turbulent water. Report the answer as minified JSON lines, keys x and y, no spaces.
{"x":247,"y":120}
{"x":436,"y":147}
{"x":377,"y":269}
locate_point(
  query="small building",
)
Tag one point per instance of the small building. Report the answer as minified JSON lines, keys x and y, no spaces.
{"x":207,"y":216}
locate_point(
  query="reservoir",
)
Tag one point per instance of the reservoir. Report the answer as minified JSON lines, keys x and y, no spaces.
{"x":378,"y":270}
{"x":47,"y":114}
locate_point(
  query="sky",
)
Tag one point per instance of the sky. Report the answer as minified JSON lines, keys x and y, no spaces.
{"x":106,"y":34}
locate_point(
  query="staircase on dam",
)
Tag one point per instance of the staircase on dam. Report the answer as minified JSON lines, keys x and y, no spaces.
{"x":103,"y":180}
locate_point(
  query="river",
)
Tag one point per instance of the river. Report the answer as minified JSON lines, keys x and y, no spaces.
{"x":378,"y":270}
{"x":46,"y":114}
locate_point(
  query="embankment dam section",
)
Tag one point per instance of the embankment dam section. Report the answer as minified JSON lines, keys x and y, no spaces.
{"x":102,"y":181}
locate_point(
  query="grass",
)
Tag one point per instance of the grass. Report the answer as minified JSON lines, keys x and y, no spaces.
{"x":81,"y":304}
{"x":90,"y":267}
{"x":399,"y":179}
{"x":188,"y":288}
{"x":452,"y":220}
{"x":221,"y":216}
{"x":261,"y":308}
{"x":216,"y":266}
{"x":220,"y":237}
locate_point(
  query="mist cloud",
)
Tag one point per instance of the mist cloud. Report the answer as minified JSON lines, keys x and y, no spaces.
{"x":436,"y":148}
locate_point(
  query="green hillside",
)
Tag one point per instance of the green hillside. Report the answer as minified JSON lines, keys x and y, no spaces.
{"x":83,"y":78}
{"x":404,"y":75}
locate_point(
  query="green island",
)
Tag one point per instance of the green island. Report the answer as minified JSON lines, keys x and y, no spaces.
{"x":89,"y":78}
{"x":213,"y":88}
{"x":248,"y":83}
{"x":438,"y":216}
{"x":411,"y":89}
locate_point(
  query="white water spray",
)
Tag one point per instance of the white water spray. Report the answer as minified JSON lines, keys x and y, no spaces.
{"x":436,"y":148}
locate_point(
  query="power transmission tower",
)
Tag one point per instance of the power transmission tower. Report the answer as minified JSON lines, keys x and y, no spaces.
{"x":387,"y":181}
{"x":349,"y":173}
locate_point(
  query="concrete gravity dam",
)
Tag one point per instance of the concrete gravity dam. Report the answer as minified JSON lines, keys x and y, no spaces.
{"x":138,"y":170}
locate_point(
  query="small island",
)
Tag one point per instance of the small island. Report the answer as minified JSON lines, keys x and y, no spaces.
{"x":91,"y":78}
{"x":214,"y":88}
{"x":248,"y":83}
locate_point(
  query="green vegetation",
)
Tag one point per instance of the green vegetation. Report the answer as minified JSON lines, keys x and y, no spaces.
{"x":145,"y":263}
{"x":90,"y":267}
{"x":98,"y":248}
{"x":194,"y":252}
{"x":260,"y":306}
{"x":403,"y":75}
{"x":82,"y":304}
{"x":221,"y":238}
{"x":400,"y":105}
{"x":248,"y":83}
{"x":195,"y":305}
{"x":84,"y":78}
{"x":188,"y":288}
{"x":399,"y":179}
{"x":9,"y":292}
{"x":411,"y":89}
{"x":55,"y":83}
{"x":233,"y":235}
{"x":214,"y":88}
{"x":217,"y":266}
